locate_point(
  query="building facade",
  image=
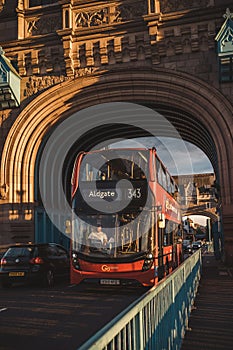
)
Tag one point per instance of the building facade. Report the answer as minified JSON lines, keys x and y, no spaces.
{"x":199,"y":195}
{"x":173,"y":57}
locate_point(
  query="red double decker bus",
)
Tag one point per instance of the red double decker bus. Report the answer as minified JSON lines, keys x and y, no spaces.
{"x":126,"y":225}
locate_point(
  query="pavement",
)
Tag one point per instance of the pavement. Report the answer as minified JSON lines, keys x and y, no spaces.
{"x":211,"y":320}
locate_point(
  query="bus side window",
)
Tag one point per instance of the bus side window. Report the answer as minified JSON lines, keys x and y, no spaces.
{"x":159,"y":171}
{"x":173,"y":188}
{"x":176,"y":194}
{"x":164,"y":179}
{"x":168,"y":183}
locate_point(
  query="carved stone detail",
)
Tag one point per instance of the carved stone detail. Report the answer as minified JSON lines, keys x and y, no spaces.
{"x":122,"y":13}
{"x":31,"y":26}
{"x":93,"y":18}
{"x":36,"y":84}
{"x":228,"y":14}
{"x":81,"y":72}
{"x":38,"y":26}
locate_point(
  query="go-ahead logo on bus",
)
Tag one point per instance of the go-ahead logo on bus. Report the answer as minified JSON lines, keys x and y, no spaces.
{"x":105,"y":268}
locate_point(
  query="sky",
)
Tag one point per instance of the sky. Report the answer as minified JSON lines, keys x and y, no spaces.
{"x":179,"y":157}
{"x":198,"y":219}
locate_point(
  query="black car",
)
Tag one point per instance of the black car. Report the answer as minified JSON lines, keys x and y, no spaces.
{"x":196,"y":245}
{"x":187,"y":247}
{"x":42,"y":263}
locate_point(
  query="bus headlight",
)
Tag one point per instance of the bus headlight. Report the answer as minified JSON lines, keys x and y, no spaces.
{"x":75,"y":261}
{"x":148,"y":262}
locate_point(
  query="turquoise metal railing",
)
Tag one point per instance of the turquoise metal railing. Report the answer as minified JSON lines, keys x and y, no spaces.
{"x":157,"y":320}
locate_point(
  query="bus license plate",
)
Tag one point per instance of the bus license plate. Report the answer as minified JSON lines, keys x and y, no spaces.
{"x":14,"y":274}
{"x":110,"y":282}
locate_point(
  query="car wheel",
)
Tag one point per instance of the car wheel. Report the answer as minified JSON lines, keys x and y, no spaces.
{"x":49,"y":278}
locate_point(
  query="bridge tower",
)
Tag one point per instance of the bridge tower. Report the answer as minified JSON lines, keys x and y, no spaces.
{"x":174,"y":57}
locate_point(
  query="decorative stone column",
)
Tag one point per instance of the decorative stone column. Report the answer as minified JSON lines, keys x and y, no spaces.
{"x":227,"y":220}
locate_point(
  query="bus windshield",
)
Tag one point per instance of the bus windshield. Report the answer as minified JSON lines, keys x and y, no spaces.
{"x":117,"y":235}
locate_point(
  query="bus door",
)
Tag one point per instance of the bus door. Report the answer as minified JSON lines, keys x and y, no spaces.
{"x":160,"y":255}
{"x":161,"y":225}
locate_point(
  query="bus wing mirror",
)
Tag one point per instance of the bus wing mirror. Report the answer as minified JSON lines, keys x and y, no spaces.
{"x":161,"y":220}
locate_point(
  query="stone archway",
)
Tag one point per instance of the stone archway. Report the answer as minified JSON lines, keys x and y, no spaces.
{"x":201,"y":114}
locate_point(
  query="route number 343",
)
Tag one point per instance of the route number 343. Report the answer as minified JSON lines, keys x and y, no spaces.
{"x":134,"y":193}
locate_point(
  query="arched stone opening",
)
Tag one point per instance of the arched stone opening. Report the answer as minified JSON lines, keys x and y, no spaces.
{"x":199,"y":112}
{"x":209,"y":214}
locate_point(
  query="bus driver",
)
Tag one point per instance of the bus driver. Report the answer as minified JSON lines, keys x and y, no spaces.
{"x":99,"y":235}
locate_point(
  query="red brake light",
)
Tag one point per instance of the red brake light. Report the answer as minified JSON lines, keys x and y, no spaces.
{"x":3,"y":261}
{"x":37,"y":261}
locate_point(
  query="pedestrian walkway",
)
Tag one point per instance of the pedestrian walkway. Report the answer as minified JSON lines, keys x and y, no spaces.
{"x":211,"y":320}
